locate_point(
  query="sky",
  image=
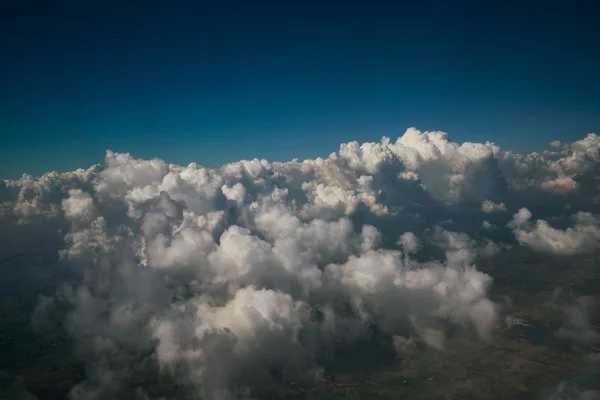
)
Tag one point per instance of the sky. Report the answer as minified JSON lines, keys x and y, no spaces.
{"x":218,"y":81}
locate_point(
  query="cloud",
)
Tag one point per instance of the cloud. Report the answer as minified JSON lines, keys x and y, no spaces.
{"x":567,"y":170}
{"x":489,"y":207}
{"x":30,"y":197}
{"x":580,"y":238}
{"x":448,"y":171}
{"x":487,"y":226}
{"x":234,"y":280}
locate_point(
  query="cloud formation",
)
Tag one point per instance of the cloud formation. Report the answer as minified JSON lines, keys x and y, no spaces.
{"x":237,"y":280}
{"x":489,"y":207}
{"x":580,"y":238}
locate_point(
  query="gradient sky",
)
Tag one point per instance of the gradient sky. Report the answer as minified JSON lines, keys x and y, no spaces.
{"x":217,"y":81}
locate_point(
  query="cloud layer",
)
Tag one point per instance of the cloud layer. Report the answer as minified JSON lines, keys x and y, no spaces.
{"x":237,"y":280}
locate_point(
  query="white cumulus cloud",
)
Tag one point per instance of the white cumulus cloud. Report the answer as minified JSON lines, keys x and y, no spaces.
{"x":237,"y":279}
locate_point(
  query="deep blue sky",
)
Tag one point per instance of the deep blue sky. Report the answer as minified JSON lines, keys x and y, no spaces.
{"x":216,"y":81}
